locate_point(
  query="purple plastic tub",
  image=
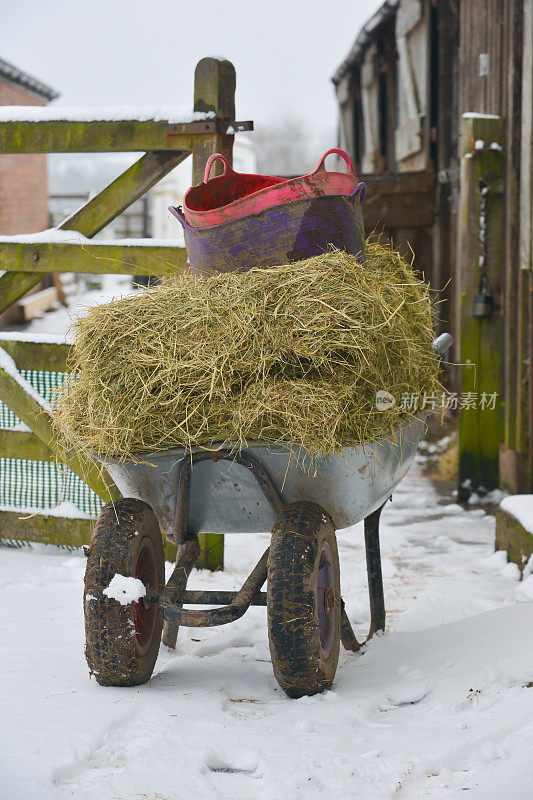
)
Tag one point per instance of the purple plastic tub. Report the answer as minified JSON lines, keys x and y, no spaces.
{"x":278,"y":235}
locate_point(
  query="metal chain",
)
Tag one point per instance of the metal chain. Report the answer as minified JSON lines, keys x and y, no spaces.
{"x":482,"y":263}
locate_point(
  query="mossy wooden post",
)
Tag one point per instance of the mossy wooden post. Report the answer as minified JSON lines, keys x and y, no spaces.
{"x":214,"y":90}
{"x":480,"y":337}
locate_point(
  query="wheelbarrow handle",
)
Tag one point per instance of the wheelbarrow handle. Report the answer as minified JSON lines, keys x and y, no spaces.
{"x":442,"y":344}
{"x":211,"y":160}
{"x":343,"y":154}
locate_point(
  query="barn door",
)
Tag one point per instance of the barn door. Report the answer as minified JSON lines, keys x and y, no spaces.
{"x":412,"y":39}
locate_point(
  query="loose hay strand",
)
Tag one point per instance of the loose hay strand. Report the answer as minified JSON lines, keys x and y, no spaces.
{"x":290,"y":354}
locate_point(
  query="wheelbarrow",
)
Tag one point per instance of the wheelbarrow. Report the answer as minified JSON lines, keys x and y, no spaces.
{"x":220,"y":489}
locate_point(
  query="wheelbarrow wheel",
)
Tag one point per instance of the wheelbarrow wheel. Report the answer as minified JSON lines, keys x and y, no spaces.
{"x":122,"y":641}
{"x":303,"y":600}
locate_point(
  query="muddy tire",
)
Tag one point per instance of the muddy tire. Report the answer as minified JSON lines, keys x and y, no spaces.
{"x":303,"y":600}
{"x":122,"y":641}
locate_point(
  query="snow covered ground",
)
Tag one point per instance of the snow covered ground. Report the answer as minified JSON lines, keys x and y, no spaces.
{"x":436,"y":707}
{"x":58,"y":322}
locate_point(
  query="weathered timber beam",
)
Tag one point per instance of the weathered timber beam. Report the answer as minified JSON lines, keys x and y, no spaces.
{"x":22,"y":444}
{"x":48,"y":529}
{"x":122,"y":192}
{"x":415,"y":211}
{"x":480,"y":338}
{"x":118,"y":136}
{"x":214,"y":91}
{"x":13,"y":286}
{"x":400,"y":182}
{"x":28,"y":354}
{"x":45,"y":528}
{"x":32,"y":413}
{"x":399,"y":200}
{"x":90,"y":258}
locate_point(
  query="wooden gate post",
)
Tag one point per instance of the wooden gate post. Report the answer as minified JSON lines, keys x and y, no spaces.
{"x":214,"y":90}
{"x":482,"y":163}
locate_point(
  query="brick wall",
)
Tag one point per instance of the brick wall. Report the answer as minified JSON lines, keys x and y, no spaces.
{"x":23,"y":179}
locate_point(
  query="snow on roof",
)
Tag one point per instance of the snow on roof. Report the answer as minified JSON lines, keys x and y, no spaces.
{"x":171,"y":114}
{"x":12,"y":73}
{"x":520,"y":506}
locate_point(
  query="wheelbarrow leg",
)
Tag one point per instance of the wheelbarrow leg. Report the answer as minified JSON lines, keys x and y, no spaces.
{"x":186,"y":558}
{"x":170,"y":634}
{"x":373,"y":568}
{"x":375,"y":587}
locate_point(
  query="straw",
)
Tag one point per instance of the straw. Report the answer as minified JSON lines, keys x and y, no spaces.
{"x":293,"y":354}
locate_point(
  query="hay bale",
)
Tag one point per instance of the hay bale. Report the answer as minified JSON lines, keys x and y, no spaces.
{"x":293,"y":353}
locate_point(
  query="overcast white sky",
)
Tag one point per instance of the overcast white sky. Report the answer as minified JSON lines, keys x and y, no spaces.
{"x":107,"y":52}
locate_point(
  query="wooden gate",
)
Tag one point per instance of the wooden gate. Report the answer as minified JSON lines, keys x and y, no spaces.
{"x":208,"y":128}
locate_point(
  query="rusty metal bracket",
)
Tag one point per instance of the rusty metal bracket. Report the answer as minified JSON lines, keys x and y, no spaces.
{"x":206,"y":126}
{"x":215,"y":125}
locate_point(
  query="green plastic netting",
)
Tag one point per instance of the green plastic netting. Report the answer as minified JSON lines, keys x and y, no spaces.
{"x":41,"y":485}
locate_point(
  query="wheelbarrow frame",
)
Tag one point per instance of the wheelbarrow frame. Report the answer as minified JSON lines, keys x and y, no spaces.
{"x":235,"y":604}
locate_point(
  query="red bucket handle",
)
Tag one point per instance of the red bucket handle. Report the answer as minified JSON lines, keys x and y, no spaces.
{"x":211,"y":160}
{"x":342,"y":153}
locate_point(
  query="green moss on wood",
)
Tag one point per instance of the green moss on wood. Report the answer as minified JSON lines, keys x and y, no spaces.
{"x":211,"y":551}
{"x":122,"y":192}
{"x":513,"y":537}
{"x":45,"y":529}
{"x":21,"y":444}
{"x":63,"y":136}
{"x":481,"y":429}
{"x":14,"y":285}
{"x":92,"y":258}
{"x":47,"y":356}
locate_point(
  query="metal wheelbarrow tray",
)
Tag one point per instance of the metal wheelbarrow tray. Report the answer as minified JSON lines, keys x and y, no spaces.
{"x":223,"y":485}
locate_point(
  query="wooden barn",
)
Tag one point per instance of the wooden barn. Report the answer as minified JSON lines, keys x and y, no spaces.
{"x":435,"y":108}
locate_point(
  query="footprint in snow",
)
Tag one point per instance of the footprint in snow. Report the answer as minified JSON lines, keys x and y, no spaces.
{"x":408,"y":693}
{"x":111,"y":749}
{"x":217,"y":645}
{"x":243,"y":762}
